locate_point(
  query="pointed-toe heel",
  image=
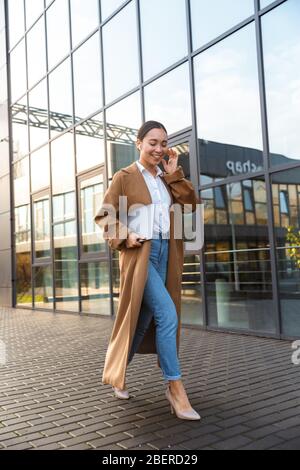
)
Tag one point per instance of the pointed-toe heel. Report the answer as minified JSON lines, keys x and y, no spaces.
{"x":121,"y":394}
{"x":190,"y":415}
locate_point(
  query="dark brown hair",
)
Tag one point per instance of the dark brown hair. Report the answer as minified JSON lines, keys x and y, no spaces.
{"x":147,"y":127}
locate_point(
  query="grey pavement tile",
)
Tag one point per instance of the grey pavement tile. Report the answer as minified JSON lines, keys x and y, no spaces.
{"x":51,"y":396}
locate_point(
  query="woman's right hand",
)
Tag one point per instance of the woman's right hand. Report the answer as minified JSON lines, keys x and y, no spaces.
{"x":133,"y":240}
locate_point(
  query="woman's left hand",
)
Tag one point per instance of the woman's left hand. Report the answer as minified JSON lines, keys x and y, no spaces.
{"x":171,"y":165}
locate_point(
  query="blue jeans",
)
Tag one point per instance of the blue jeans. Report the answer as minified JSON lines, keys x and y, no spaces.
{"x":158,"y":303}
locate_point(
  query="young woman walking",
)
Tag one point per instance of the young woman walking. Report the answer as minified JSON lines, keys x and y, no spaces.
{"x":151,"y":264}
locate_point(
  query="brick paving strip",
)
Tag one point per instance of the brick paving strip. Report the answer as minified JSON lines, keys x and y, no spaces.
{"x":246,"y":389}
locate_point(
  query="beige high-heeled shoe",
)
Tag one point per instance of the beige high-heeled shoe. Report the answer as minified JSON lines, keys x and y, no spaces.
{"x":122,"y":394}
{"x":191,"y":415}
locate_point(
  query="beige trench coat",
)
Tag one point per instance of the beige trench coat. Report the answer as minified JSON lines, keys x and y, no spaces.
{"x":134,"y":266}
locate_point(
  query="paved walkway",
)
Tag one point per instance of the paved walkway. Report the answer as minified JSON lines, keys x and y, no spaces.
{"x":51,"y":397}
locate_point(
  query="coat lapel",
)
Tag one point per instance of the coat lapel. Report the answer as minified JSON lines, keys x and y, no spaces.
{"x":136,"y":188}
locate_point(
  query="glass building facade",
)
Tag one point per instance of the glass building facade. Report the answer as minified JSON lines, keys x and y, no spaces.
{"x":77,"y":79}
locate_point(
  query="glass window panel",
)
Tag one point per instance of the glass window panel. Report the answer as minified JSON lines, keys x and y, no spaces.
{"x":265,"y":3}
{"x":23,"y":256}
{"x":21,"y":182}
{"x":284,"y":202}
{"x":167,"y":51}
{"x":191,"y":294}
{"x":40,"y":171}
{"x":63,"y":166}
{"x":167,"y":100}
{"x":220,"y":203}
{"x":16,"y":20}
{"x":58,"y":34}
{"x":34,"y":9}
{"x":109,"y":6}
{"x":18,"y":71}
{"x":2,"y":56}
{"x":60,"y":94}
{"x":238,"y":267}
{"x":38,"y":109}
{"x":2,"y":19}
{"x":36,"y":52}
{"x":91,"y":197}
{"x":281,"y":39}
{"x":248,"y":200}
{"x":285,"y":186}
{"x":86,"y":62}
{"x":63,"y":207}
{"x":228,"y":108}
{"x":85,"y":18}
{"x":120,"y":41}
{"x":20,"y":129}
{"x":43,"y":287}
{"x":41,"y":223}
{"x":122,"y":123}
{"x":95,"y":290}
{"x":65,"y":250}
{"x":90,"y":143}
{"x":210,"y":19}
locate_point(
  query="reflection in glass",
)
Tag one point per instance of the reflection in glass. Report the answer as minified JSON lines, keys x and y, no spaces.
{"x":87,"y":78}
{"x":60,"y":95}
{"x":122,"y":123}
{"x":16,"y":20}
{"x":95,"y":290}
{"x":20,"y":129}
{"x":38,"y":109}
{"x":18,"y":71}
{"x":191,"y":296}
{"x":120,"y":41}
{"x":65,"y":250}
{"x":286,"y":206}
{"x":23,"y":256}
{"x":43,"y":287}
{"x":63,"y":165}
{"x":40,"y":171}
{"x":63,"y":208}
{"x":228,"y":108}
{"x":85,"y":18}
{"x":210,"y":19}
{"x":90,"y":143}
{"x":109,"y":6}
{"x":91,"y":196}
{"x":36,"y":56}
{"x":168,"y":99}
{"x":41,"y":222}
{"x":21,"y":182}
{"x":167,"y":51}
{"x":58,"y":35}
{"x":281,"y":39}
{"x":34,"y":8}
{"x":238,"y":268}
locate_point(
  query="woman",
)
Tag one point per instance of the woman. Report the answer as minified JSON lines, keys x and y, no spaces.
{"x":151,"y":264}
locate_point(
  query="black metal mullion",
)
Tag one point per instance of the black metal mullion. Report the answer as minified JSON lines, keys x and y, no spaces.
{"x":268,"y":181}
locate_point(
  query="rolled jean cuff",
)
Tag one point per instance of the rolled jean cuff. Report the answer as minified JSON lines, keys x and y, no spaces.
{"x":174,"y":377}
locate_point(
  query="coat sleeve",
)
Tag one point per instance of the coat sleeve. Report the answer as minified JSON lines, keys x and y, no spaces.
{"x":107,"y":216}
{"x":182,"y":189}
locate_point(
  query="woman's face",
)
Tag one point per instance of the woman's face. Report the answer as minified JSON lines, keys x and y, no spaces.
{"x":153,"y":147}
